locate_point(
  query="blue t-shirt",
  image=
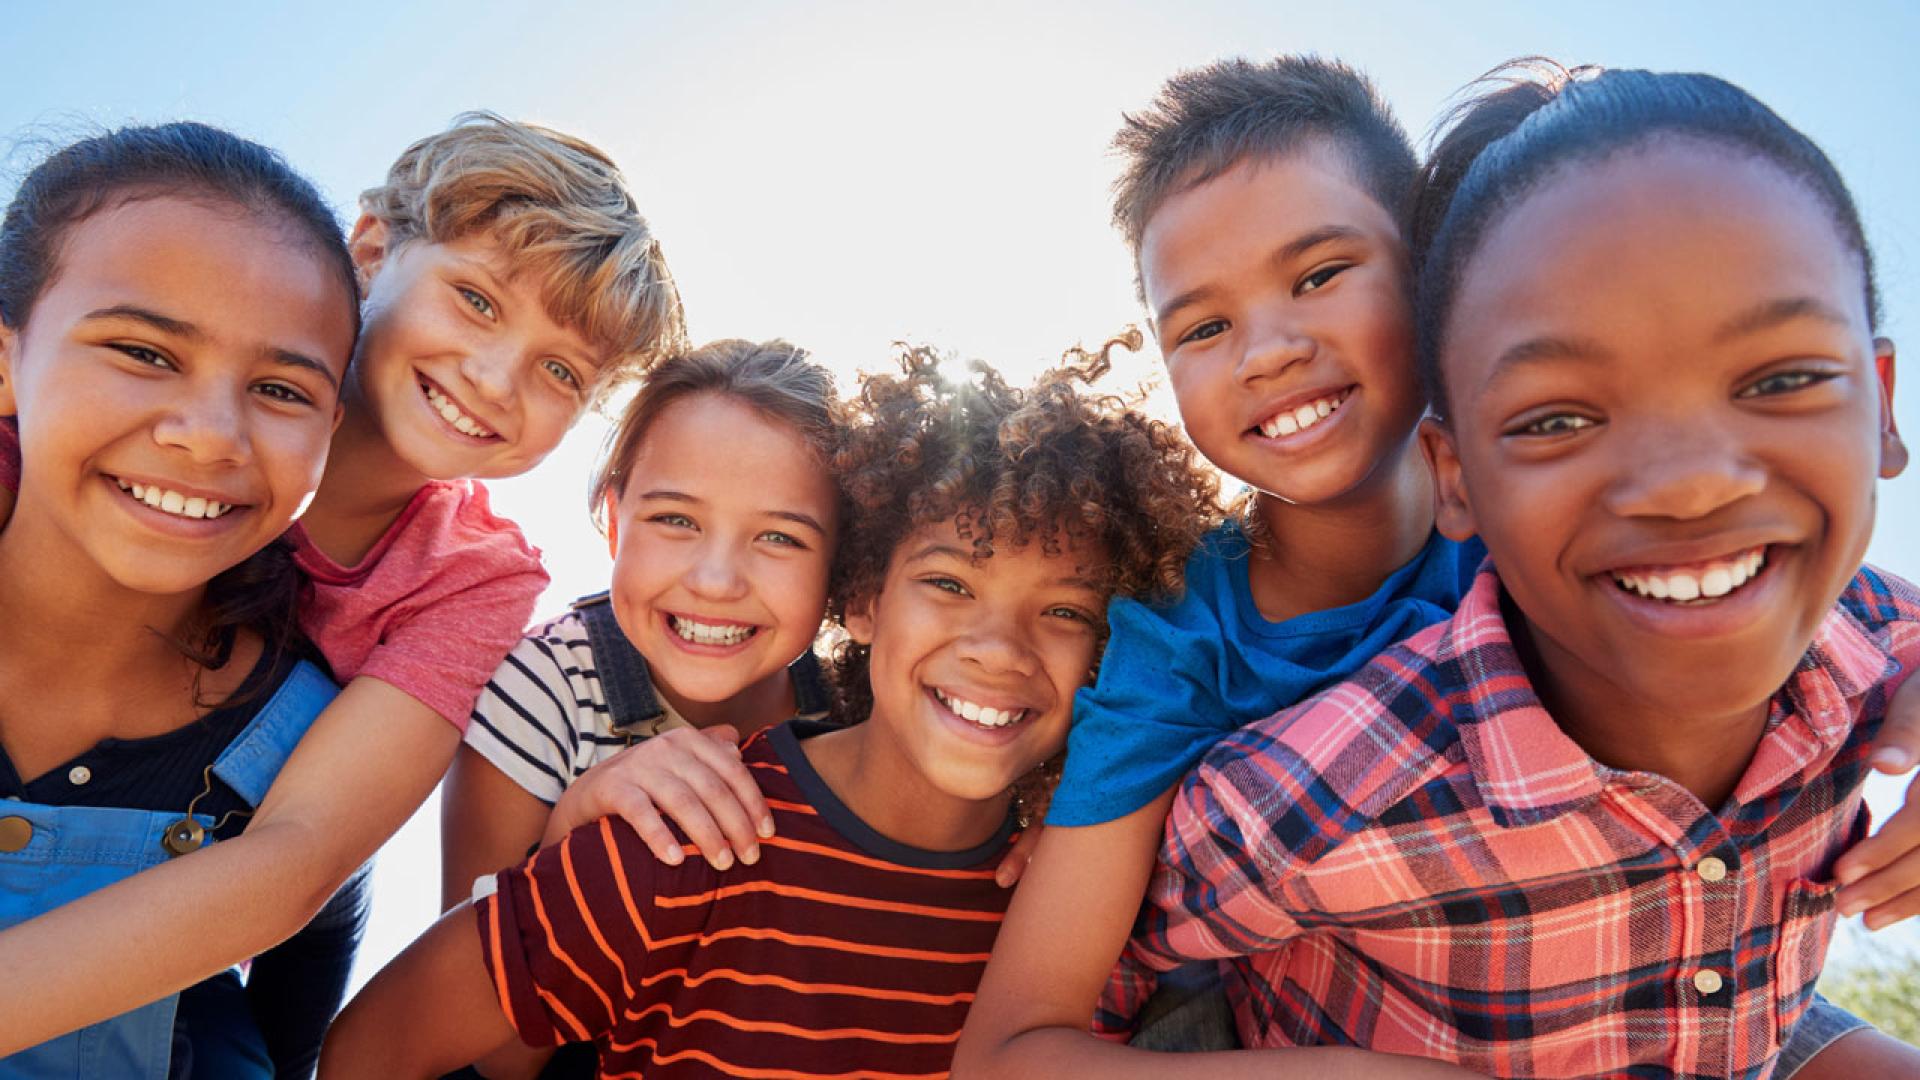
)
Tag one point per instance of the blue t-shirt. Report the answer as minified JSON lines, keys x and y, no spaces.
{"x":1176,"y":679}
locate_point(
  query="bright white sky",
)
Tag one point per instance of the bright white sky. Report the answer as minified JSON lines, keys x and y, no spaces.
{"x":844,"y":175}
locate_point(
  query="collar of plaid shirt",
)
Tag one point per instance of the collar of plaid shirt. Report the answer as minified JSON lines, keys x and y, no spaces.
{"x":1529,"y":772}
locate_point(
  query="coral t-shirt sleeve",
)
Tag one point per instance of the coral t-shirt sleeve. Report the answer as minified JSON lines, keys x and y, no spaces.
{"x":9,"y":454}
{"x":435,"y":606}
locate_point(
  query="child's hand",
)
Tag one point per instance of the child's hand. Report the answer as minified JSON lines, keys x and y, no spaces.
{"x":1881,"y":874}
{"x":694,"y":777}
{"x":1007,"y":874}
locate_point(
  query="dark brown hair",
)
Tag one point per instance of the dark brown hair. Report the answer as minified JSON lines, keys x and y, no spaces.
{"x":773,"y":378}
{"x":1052,"y":463}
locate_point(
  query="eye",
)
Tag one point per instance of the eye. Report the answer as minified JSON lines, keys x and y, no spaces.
{"x":1783,"y":382}
{"x":673,"y":521}
{"x":561,"y":373}
{"x":1210,"y":328}
{"x":780,"y":539}
{"x":140,"y":354}
{"x":946,"y":584}
{"x":477,"y":300}
{"x":1319,"y":278}
{"x":1555,"y":424}
{"x":283,"y":392}
{"x":1065,"y":611}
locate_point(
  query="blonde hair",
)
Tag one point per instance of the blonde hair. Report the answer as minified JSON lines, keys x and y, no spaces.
{"x":562,"y":211}
{"x":773,"y":378}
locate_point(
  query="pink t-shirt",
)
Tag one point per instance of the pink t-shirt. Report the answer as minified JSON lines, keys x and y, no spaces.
{"x":434,"y":607}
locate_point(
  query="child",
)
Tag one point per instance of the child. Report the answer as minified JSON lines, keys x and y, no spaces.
{"x":177,"y":310}
{"x":1262,"y":202}
{"x":719,"y":587}
{"x":1587,"y":825}
{"x":509,"y":279}
{"x":988,"y":526}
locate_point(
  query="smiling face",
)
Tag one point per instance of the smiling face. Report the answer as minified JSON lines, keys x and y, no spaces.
{"x":465,"y":372}
{"x":1668,"y":432}
{"x":975,"y":662}
{"x":1279,"y":297}
{"x":176,"y":386}
{"x":723,"y":539}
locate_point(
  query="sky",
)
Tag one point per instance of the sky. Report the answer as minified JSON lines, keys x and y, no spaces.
{"x":848,"y":175}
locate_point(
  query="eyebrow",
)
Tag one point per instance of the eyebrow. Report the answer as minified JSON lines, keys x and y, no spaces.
{"x":669,"y":495}
{"x":1777,"y":312}
{"x":1282,"y":255}
{"x":180,"y":328}
{"x":935,"y":549}
{"x":1544,"y":350}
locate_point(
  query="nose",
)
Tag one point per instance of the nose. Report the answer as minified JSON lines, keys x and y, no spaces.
{"x":715,"y":573}
{"x":210,"y":427}
{"x":490,"y":372}
{"x":1683,"y":471}
{"x":1273,"y":346}
{"x":996,"y":644}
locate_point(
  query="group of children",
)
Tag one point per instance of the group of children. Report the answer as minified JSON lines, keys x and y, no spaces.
{"x":1513,"y":722}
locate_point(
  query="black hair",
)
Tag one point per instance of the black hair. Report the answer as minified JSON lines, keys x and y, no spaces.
{"x":197,"y":162}
{"x":1207,"y":120}
{"x":1539,"y":117}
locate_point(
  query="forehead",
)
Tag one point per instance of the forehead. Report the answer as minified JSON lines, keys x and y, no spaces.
{"x":1260,"y":200}
{"x":1677,"y":237}
{"x":952,"y":536}
{"x":242,"y":276}
{"x":711,"y":440}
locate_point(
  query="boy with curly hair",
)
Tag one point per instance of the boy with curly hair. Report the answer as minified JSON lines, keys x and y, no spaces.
{"x":989,"y":527}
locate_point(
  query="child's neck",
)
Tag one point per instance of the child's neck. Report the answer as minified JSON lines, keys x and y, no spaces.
{"x":1707,"y":755}
{"x":878,"y":781}
{"x":363,"y":491}
{"x":83,"y":658}
{"x":1328,"y":555}
{"x":762,"y":705}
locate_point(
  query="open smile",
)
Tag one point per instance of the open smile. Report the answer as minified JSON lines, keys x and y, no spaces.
{"x":980,"y":716}
{"x":1694,"y":583}
{"x":712,"y":637}
{"x":1301,"y":415}
{"x":449,"y":410}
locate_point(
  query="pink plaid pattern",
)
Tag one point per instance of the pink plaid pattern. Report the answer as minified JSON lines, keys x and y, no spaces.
{"x":1420,"y":861}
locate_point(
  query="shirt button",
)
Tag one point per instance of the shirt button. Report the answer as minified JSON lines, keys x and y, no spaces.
{"x":1711,"y":870}
{"x":79,"y":774}
{"x":1707,"y":981}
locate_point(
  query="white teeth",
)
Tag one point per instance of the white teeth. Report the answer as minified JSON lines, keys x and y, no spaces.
{"x":1302,"y":417}
{"x":173,"y":502}
{"x":451,"y":413}
{"x":975,"y":713}
{"x":1682,"y":586}
{"x":709,"y":633}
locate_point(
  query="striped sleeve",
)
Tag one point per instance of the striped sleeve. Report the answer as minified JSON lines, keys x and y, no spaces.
{"x":524,"y":721}
{"x":565,"y":936}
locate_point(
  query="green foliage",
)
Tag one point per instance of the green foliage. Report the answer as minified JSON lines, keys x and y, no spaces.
{"x":1882,"y":988}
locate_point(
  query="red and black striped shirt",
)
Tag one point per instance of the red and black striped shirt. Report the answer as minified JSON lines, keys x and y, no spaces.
{"x":839,"y":954}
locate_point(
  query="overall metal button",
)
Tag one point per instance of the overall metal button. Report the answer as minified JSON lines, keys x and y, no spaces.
{"x":15,"y":833}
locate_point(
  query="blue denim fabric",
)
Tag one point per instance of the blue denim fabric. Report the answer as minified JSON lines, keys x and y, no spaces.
{"x":1819,"y":1026}
{"x":1187,"y":1012}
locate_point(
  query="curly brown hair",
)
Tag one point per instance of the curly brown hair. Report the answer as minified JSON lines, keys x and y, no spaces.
{"x":1053,"y":463}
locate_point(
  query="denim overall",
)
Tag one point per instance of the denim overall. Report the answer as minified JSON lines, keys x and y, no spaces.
{"x":52,"y":854}
{"x":628,"y":686}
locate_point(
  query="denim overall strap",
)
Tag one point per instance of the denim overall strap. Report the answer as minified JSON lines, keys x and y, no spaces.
{"x":624,"y":679}
{"x":50,"y":855}
{"x":812,"y":698}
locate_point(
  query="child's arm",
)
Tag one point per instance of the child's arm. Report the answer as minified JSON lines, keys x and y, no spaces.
{"x":431,"y":1010}
{"x":1064,"y":931}
{"x":1881,"y":874}
{"x":1860,"y":1053}
{"x":488,"y":822}
{"x":368,"y":762}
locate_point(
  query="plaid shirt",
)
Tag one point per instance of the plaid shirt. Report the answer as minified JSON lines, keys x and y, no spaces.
{"x":1420,"y":861}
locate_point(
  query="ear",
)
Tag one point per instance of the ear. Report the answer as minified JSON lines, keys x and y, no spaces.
{"x":859,"y":620}
{"x":9,"y":343}
{"x":368,"y":246}
{"x":1452,"y":509}
{"x":610,"y":513}
{"x":1893,"y":452}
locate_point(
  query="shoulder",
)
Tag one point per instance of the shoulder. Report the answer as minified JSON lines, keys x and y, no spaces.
{"x":456,"y":518}
{"x":1350,"y":753}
